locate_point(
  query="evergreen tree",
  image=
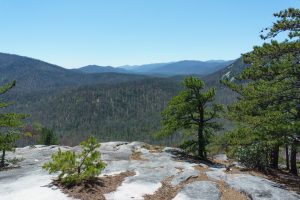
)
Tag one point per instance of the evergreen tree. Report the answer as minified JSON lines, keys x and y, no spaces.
{"x":258,"y":126}
{"x":269,"y":102}
{"x":192,"y":110}
{"x":75,"y":168}
{"x":9,"y":124}
{"x":48,"y":137}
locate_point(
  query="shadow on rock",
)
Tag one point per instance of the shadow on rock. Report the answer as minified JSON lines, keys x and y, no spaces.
{"x":180,"y":155}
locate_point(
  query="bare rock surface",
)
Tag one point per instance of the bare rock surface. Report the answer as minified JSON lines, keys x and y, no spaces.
{"x":257,"y":188}
{"x":183,"y":176}
{"x":30,"y":182}
{"x":199,"y":190}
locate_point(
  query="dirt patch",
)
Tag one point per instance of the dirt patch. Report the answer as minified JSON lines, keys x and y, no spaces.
{"x":255,"y":173}
{"x":165,"y":192}
{"x":95,"y":189}
{"x":201,"y":168}
{"x":201,"y":177}
{"x":252,"y":172}
{"x":234,"y":171}
{"x":168,"y":192}
{"x":228,"y":193}
{"x":153,"y":148}
{"x":224,"y":162}
{"x":137,"y":155}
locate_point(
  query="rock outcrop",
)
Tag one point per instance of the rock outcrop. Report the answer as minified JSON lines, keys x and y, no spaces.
{"x":186,"y":180}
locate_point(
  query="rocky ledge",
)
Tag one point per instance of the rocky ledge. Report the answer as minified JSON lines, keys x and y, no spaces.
{"x":155,"y":174}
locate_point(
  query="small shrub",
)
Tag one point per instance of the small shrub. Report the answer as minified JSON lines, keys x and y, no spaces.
{"x":75,"y":168}
{"x":255,"y":156}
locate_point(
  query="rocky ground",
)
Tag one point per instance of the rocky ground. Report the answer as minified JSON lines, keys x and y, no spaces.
{"x":145,"y":172}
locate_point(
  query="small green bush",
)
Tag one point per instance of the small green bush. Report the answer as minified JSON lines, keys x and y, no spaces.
{"x":75,"y":168}
{"x":255,"y":156}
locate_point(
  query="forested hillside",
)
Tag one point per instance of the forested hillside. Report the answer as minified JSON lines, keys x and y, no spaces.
{"x":224,"y":94}
{"x":32,"y":74}
{"x":124,"y":111}
{"x":112,"y":106}
{"x":90,"y":69}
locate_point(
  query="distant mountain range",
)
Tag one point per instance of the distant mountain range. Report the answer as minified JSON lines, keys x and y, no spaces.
{"x":185,"y":67}
{"x":112,"y":103}
{"x":32,"y":74}
{"x":143,"y":68}
{"x":101,"y":69}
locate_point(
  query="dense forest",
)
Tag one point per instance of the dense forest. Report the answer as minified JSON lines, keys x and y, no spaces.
{"x":124,"y":111}
{"x":112,"y":106}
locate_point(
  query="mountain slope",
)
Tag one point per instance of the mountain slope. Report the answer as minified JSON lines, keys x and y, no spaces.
{"x":228,"y":72}
{"x":32,"y":74}
{"x":112,"y":106}
{"x":187,"y":67}
{"x":224,"y":94}
{"x":124,"y":111}
{"x":142,"y":68}
{"x":100,"y":69}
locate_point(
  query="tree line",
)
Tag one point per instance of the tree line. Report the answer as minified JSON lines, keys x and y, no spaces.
{"x":266,"y":113}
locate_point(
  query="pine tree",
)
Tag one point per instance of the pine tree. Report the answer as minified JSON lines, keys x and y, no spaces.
{"x":48,"y":137}
{"x":289,"y":21}
{"x":258,"y":125}
{"x":9,"y":125}
{"x":269,"y":102}
{"x":75,"y":168}
{"x":192,"y":110}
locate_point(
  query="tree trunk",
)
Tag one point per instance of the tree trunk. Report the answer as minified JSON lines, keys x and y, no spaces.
{"x":287,"y":162}
{"x":78,"y":171}
{"x":294,"y":158}
{"x":274,"y":157}
{"x":2,"y":163}
{"x":200,"y":142}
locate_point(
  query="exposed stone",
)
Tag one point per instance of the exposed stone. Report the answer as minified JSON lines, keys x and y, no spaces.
{"x":30,"y":182}
{"x":183,"y":176}
{"x":259,"y":188}
{"x":199,"y":190}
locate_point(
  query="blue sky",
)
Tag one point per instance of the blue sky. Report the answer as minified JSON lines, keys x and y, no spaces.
{"x":74,"y":33}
